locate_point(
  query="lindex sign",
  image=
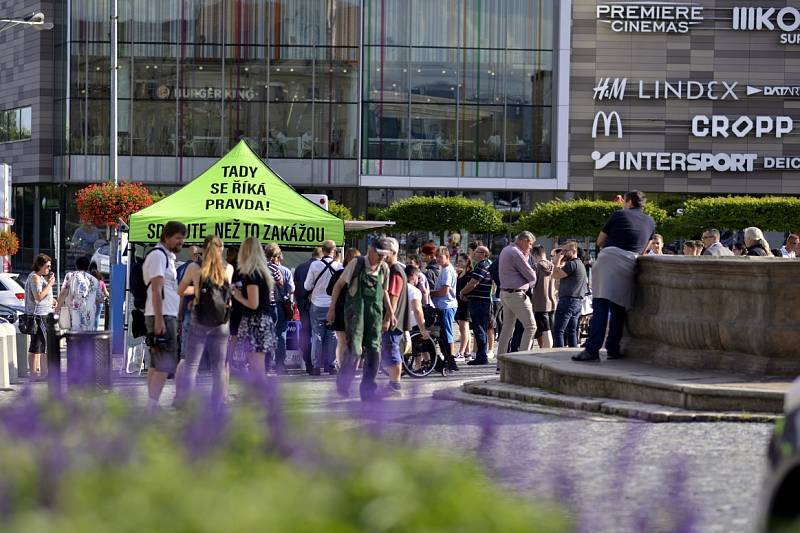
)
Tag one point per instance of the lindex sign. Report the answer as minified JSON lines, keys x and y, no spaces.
{"x":239,"y":197}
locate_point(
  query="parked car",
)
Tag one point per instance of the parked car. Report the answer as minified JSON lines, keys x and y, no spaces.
{"x":12,"y":293}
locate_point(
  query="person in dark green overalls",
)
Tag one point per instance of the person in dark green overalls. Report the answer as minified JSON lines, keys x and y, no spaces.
{"x":364,"y":283}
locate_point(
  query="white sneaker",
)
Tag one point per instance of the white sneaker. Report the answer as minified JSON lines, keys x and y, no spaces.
{"x":490,"y":354}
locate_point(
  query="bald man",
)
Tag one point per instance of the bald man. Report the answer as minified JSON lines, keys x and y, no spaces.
{"x":478,"y":293}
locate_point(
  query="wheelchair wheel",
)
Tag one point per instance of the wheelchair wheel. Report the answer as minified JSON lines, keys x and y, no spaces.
{"x":422,"y":359}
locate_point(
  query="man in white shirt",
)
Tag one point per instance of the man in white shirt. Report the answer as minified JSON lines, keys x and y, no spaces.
{"x":323,"y":341}
{"x":712,"y":245}
{"x":790,"y":248}
{"x":161,"y":309}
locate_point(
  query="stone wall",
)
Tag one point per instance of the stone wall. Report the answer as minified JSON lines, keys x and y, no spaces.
{"x":730,"y":313}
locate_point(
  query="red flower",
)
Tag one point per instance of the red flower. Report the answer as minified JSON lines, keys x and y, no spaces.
{"x":9,"y":244}
{"x":102,"y":204}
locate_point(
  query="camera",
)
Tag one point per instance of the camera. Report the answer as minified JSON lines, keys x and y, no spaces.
{"x":156,"y":341}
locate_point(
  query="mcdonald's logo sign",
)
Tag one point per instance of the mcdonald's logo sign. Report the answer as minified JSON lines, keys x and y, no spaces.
{"x":607,"y":123}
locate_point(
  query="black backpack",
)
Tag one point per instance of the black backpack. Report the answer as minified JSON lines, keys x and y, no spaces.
{"x":432,"y":272}
{"x":494,"y":271}
{"x":137,"y":284}
{"x":213,"y":304}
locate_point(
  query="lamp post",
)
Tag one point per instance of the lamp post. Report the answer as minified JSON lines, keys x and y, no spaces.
{"x":113,"y":159}
{"x":34,"y":20}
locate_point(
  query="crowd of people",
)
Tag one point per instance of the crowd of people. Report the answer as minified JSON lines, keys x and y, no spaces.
{"x":356,"y":311}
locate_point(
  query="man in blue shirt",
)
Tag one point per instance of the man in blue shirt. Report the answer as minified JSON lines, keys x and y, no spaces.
{"x":444,"y":299}
{"x":301,"y":298}
{"x":627,"y":233}
{"x":478,"y":293}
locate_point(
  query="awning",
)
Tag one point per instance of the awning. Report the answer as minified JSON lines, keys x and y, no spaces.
{"x":361,"y":225}
{"x":239,"y":197}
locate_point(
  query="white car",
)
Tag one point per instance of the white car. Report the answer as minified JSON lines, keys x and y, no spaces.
{"x":12,"y":293}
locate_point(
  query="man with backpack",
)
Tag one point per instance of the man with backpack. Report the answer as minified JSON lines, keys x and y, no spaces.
{"x":368,"y":312}
{"x":323,"y":341}
{"x":301,"y":298}
{"x":161,"y":309}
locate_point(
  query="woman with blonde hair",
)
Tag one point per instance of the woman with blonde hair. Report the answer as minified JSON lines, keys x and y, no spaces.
{"x":755,"y":242}
{"x":257,"y":329}
{"x":210,"y":283}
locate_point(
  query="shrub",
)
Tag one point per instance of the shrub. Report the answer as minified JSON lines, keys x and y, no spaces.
{"x":89,"y":466}
{"x":441,"y":214}
{"x":340,"y":211}
{"x":769,"y":213}
{"x":103,"y":204}
{"x":576,"y":218}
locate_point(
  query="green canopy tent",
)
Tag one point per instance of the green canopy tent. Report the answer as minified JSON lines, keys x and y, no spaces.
{"x":239,"y":197}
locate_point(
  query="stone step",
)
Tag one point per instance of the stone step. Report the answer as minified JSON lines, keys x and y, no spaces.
{"x":498,"y":394}
{"x":642,"y":382}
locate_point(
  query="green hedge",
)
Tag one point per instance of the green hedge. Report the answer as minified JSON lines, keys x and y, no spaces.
{"x":576,"y":218}
{"x":770,"y":213}
{"x":440,"y":214}
{"x":340,"y":211}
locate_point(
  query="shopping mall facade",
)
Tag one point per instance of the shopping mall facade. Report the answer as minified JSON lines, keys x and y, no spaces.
{"x":369,"y":101}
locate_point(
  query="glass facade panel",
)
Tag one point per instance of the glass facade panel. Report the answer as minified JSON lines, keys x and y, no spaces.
{"x":25,"y":120}
{"x":530,"y":24}
{"x":528,"y":130}
{"x":200,"y":105}
{"x":434,"y":75}
{"x":201,"y":22}
{"x":433,"y":132}
{"x":336,"y":130}
{"x":435,"y":23}
{"x":386,"y":74}
{"x":98,"y":127}
{"x":291,"y":128}
{"x":98,"y":70}
{"x":484,"y":24}
{"x":336,"y":74}
{"x":248,"y":121}
{"x":246,"y":22}
{"x":387,"y":22}
{"x":529,"y":77}
{"x":298,"y":22}
{"x":146,"y":21}
{"x":481,"y":133}
{"x":386,"y":130}
{"x":291,"y":75}
{"x":152,"y":129}
{"x":482,"y":76}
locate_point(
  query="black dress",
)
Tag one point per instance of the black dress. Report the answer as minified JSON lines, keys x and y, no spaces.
{"x":338,"y":321}
{"x":462,"y":312}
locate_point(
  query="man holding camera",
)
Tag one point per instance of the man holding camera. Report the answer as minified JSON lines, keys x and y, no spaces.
{"x":161,"y":310}
{"x":572,"y":287}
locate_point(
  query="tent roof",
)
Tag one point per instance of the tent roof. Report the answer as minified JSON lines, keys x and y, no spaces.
{"x":239,"y":197}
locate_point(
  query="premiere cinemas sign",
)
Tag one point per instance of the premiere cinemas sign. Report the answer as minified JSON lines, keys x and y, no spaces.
{"x":680,"y":18}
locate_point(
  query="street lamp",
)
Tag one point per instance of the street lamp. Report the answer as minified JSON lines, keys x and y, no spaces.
{"x":34,"y":20}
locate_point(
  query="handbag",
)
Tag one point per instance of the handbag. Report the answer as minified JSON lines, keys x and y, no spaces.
{"x":288,"y":308}
{"x":27,"y":324}
{"x":405,"y":343}
{"x":64,"y":318}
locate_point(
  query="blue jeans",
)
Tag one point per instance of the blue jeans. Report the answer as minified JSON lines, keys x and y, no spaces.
{"x":281,"y":324}
{"x":200,"y":339}
{"x":323,"y":341}
{"x":390,"y":348}
{"x":447,"y":318}
{"x":304,"y":339}
{"x":479,"y":310}
{"x":98,"y":308}
{"x":601,"y":310}
{"x":565,"y":327}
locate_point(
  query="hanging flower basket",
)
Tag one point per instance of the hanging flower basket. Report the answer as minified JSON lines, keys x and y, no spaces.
{"x":9,"y":243}
{"x":103,"y":204}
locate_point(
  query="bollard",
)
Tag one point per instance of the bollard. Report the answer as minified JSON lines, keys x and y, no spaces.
{"x":8,"y":333}
{"x":53,"y":341}
{"x":23,"y":343}
{"x":89,"y":359}
{"x":5,"y":361}
{"x":106,"y":312}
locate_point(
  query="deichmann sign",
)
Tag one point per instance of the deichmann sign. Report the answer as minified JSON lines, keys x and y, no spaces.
{"x":650,"y":17}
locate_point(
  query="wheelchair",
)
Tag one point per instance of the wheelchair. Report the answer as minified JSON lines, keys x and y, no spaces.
{"x":425,"y":355}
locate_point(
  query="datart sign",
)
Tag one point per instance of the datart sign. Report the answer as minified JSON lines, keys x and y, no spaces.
{"x":649,"y":17}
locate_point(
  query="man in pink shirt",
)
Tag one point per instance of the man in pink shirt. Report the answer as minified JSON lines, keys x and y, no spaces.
{"x":516,"y":277}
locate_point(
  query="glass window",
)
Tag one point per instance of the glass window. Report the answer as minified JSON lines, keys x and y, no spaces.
{"x":98,"y":70}
{"x":435,"y":23}
{"x":90,"y":20}
{"x":336,"y":74}
{"x":482,"y":76}
{"x":345,"y":23}
{"x":386,"y":74}
{"x":148,"y":21}
{"x":201,"y":92}
{"x":434,"y":75}
{"x":387,"y":22}
{"x":248,"y":121}
{"x":25,"y":123}
{"x":298,"y":22}
{"x":291,"y":76}
{"x":386,"y":127}
{"x":77,"y":123}
{"x":246,"y":79}
{"x":152,"y":128}
{"x":484,"y":24}
{"x":530,"y":24}
{"x":97,"y":127}
{"x":5,"y":134}
{"x":202,"y":22}
{"x":433,"y":132}
{"x":335,"y":130}
{"x":291,"y":128}
{"x":528,"y":130}
{"x":529,"y":77}
{"x":154,"y":77}
{"x":481,"y":133}
{"x":246,"y":22}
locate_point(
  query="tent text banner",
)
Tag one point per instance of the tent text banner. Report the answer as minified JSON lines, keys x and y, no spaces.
{"x":239,"y":197}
